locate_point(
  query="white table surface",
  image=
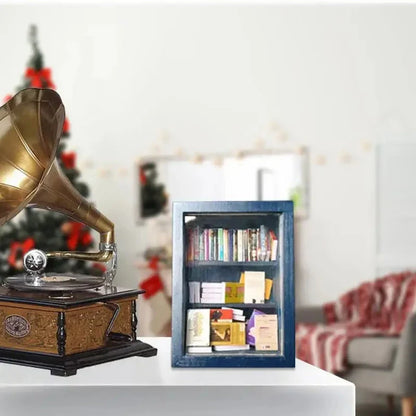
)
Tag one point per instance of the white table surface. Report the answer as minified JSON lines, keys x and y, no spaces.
{"x":149,"y":386}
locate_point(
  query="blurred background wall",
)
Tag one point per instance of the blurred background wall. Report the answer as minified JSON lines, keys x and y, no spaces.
{"x":339,"y":79}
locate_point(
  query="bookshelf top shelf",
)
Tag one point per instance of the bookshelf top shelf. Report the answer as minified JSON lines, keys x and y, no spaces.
{"x":212,"y":263}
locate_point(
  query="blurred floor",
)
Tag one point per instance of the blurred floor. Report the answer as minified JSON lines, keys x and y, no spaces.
{"x":370,"y":404}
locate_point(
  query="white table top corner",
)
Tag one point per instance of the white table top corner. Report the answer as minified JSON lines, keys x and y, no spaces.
{"x":136,"y":383}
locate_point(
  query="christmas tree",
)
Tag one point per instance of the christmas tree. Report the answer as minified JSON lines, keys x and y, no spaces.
{"x":46,"y":230}
{"x":153,"y":195}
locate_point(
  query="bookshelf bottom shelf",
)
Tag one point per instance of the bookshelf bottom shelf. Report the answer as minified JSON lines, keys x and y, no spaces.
{"x":245,"y":353}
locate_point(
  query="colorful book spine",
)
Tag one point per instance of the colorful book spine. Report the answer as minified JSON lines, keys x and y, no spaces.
{"x":206,"y":243}
{"x":245,"y":245}
{"x":190,"y":255}
{"x":215,"y":237}
{"x":238,"y":245}
{"x":195,"y":242}
{"x":263,"y":248}
{"x":230,"y":245}
{"x":235,"y":246}
{"x":249,"y":237}
{"x":211,"y":244}
{"x":220,"y":243}
{"x":253,"y":244}
{"x":273,"y":245}
{"x":258,"y":243}
{"x":225,"y":245}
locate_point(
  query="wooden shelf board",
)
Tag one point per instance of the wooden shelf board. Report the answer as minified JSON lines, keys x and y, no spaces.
{"x":232,"y":263}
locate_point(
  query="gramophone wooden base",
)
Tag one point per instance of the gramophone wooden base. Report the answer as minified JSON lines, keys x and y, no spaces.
{"x":65,"y":333}
{"x":68,"y":365}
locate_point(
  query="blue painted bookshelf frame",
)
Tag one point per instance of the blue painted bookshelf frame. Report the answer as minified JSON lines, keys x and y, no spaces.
{"x":283,"y":303}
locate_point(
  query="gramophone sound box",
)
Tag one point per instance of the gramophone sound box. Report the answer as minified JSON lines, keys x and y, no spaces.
{"x":61,"y":322}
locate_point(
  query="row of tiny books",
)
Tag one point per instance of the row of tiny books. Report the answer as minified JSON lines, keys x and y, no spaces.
{"x":252,"y":288}
{"x":221,"y":244}
{"x":225,"y":329}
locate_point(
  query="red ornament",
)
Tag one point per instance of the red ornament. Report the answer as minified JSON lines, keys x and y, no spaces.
{"x":65,"y":128}
{"x":152,"y":285}
{"x":78,"y":236}
{"x":40,"y":79}
{"x":86,"y":239}
{"x":154,"y":263}
{"x":99,"y":266}
{"x":7,"y":98}
{"x":143,"y":178}
{"x":69,"y":159}
{"x":18,"y":250}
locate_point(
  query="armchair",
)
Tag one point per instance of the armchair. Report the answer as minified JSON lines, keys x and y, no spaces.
{"x":382,"y":364}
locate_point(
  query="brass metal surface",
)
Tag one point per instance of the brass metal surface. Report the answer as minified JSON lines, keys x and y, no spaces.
{"x":30,"y":128}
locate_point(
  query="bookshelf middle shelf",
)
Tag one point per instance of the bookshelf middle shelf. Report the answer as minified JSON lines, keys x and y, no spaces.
{"x":271,"y":305}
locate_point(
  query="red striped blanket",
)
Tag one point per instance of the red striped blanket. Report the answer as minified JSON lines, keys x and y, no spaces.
{"x":379,"y":308}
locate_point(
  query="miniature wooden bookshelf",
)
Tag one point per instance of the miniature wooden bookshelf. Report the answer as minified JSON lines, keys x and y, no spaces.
{"x":217,"y":245}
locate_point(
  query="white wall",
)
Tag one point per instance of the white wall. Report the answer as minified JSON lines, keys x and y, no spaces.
{"x":214,"y":77}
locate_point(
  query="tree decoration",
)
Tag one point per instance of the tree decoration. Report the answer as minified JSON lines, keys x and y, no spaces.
{"x":158,"y":297}
{"x":40,"y":78}
{"x":198,"y":158}
{"x":281,"y":135}
{"x":179,"y":152}
{"x":104,"y":173}
{"x":18,"y":250}
{"x":46,"y":230}
{"x":300,"y":150}
{"x":320,"y":160}
{"x":153,"y":195}
{"x":218,"y":161}
{"x":77,"y":234}
{"x":68,"y":159}
{"x":345,"y":157}
{"x":366,"y":145}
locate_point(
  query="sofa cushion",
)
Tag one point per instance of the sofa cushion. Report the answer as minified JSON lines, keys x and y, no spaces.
{"x":376,"y":352}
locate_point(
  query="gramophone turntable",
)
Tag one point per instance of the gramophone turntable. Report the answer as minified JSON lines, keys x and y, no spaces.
{"x":61,"y":322}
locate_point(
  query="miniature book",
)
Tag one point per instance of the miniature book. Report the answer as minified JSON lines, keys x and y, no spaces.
{"x":224,"y":348}
{"x":265,"y":328}
{"x":228,"y":333}
{"x":254,"y":287}
{"x":221,"y":315}
{"x":268,"y":289}
{"x":251,"y":335}
{"x":199,"y":350}
{"x":197,"y":328}
{"x":234,"y":292}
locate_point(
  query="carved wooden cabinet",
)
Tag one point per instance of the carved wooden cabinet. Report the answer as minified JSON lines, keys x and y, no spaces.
{"x":67,"y":333}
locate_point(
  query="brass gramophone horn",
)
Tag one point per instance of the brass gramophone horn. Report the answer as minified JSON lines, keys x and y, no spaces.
{"x":30,"y":128}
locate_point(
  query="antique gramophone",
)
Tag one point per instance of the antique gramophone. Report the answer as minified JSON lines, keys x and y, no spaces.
{"x":48,"y":320}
